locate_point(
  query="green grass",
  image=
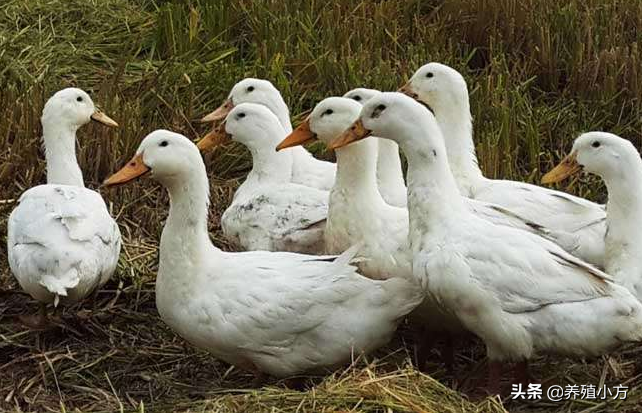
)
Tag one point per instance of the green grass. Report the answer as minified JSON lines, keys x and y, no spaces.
{"x":540,"y":72}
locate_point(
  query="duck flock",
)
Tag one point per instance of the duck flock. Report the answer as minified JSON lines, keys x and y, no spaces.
{"x":337,"y":255}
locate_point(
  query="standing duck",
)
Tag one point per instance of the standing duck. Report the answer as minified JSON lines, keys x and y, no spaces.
{"x":618,"y":163}
{"x":268,"y":211}
{"x":62,"y":243}
{"x":306,"y":170}
{"x":358,"y":214}
{"x":389,"y":172}
{"x":445,"y":92}
{"x":520,"y":293}
{"x":273,"y":312}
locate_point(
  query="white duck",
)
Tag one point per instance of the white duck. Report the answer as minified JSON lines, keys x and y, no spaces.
{"x":520,"y":293}
{"x":268,"y":212}
{"x":306,"y":170}
{"x":389,"y":172}
{"x":357,"y":213}
{"x":618,"y":163}
{"x":276,"y":312}
{"x":445,"y":91}
{"x":62,"y":243}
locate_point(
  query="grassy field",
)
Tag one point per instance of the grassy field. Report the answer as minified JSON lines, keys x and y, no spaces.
{"x":540,"y":72}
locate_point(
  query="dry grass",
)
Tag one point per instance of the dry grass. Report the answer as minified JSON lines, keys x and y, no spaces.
{"x":123,"y":357}
{"x":540,"y":72}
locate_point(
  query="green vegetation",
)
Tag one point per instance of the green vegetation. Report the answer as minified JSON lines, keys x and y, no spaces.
{"x":540,"y":72}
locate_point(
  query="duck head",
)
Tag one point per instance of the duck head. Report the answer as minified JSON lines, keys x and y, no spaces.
{"x":601,"y":153}
{"x":251,"y":90}
{"x":167,"y":156}
{"x":328,"y":120}
{"x":250,"y":124}
{"x":74,"y":108}
{"x":397,"y":117}
{"x":441,"y":88}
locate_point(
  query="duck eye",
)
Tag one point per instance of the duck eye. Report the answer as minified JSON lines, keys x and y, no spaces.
{"x":163,"y":143}
{"x":241,"y":115}
{"x":79,"y":99}
{"x":328,"y":112}
{"x":250,"y":88}
{"x":429,"y":74}
{"x":596,"y":144}
{"x":377,"y":111}
{"x":357,"y":98}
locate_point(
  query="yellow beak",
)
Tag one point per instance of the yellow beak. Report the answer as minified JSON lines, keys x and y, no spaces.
{"x":567,"y":167}
{"x":355,"y":133}
{"x":99,"y":116}
{"x":216,"y":137}
{"x":301,"y":135}
{"x":134,"y":169}
{"x":219,"y":113}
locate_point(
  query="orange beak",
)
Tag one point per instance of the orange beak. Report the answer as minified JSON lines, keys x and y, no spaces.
{"x":220,"y":113}
{"x":99,"y":116}
{"x":301,"y":135}
{"x":134,"y":169}
{"x":567,"y":167}
{"x":356,"y":132}
{"x":216,"y":137}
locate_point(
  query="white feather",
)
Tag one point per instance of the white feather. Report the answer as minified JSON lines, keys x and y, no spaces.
{"x":62,"y":243}
{"x":579,"y":223}
{"x":520,"y":293}
{"x":277,"y":312}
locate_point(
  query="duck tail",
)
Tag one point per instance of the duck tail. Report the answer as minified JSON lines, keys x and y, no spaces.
{"x":636,"y":323}
{"x":58,"y":285}
{"x":348,"y":256}
{"x":628,"y":325}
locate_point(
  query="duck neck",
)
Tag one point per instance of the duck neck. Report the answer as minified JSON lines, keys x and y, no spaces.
{"x":389,"y":172}
{"x":356,"y":171}
{"x":456,"y":126}
{"x":280,"y":109}
{"x":284,"y":119}
{"x":60,"y":153}
{"x":624,"y":207}
{"x":433,"y":196}
{"x":185,"y":240}
{"x":270,"y":166}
